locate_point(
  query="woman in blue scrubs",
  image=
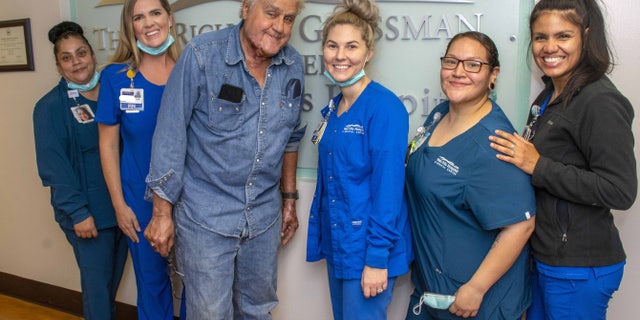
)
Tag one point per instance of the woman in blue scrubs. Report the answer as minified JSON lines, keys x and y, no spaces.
{"x":68,"y":160}
{"x":471,"y":214}
{"x":358,"y":221}
{"x":130,"y":96}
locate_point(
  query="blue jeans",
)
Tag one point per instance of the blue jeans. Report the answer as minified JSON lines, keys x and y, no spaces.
{"x":101,"y":261}
{"x":348,"y":301}
{"x":227,"y":277}
{"x":573,"y":293}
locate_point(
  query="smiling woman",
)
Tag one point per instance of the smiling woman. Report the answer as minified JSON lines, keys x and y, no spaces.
{"x":69,"y":163}
{"x":470,"y":229}
{"x":361,"y":144}
{"x":129,"y":101}
{"x":573,"y":123}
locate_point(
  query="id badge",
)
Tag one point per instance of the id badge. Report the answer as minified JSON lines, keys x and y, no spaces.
{"x":317,"y":134}
{"x":131,"y":100}
{"x":83,"y":113}
{"x":417,"y":141}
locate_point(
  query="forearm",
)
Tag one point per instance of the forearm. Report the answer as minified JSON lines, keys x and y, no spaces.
{"x":504,"y":252}
{"x":606,"y":185}
{"x":110,"y":160}
{"x":289,"y":166}
{"x":161,"y":207}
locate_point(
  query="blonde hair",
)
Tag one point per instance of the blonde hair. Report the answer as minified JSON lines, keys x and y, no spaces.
{"x":362,"y":14}
{"x":127,"y":50}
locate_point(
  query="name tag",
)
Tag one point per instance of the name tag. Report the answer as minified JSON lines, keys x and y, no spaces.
{"x":131,"y":100}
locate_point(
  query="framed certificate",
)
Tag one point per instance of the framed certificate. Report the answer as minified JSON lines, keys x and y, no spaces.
{"x":16,"y":53}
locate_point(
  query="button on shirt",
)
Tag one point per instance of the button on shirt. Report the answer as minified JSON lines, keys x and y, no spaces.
{"x":219,"y":158}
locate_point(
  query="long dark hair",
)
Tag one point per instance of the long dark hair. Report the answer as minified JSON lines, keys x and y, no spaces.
{"x":596,"y":59}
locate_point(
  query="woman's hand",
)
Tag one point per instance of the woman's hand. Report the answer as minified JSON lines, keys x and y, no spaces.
{"x":128,"y":222}
{"x":86,"y":229}
{"x":374,"y":281}
{"x":516,"y":150}
{"x":468,"y":300}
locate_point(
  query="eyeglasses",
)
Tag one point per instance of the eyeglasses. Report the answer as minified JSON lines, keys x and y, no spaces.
{"x":472,"y":66}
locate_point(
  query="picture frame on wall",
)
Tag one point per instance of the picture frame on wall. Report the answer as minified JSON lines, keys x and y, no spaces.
{"x":16,"y":51}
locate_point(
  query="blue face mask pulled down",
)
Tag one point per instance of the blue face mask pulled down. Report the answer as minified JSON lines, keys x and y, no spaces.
{"x":347,"y":83}
{"x":434,"y":300}
{"x":85,"y":87}
{"x":156,"y":51}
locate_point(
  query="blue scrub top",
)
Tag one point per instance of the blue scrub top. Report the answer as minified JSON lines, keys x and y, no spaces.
{"x":460,"y":195}
{"x":136,"y":130}
{"x":359,"y":215}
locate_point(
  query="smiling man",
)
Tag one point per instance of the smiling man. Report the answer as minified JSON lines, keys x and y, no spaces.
{"x":223,"y":162}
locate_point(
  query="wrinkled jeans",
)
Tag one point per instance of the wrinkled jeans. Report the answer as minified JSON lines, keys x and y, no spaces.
{"x":226,"y":277}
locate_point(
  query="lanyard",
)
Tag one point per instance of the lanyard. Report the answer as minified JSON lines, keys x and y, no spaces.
{"x":536,"y":112}
{"x":544,"y":104}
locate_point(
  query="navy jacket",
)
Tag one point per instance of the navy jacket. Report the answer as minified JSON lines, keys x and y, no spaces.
{"x":69,"y":161}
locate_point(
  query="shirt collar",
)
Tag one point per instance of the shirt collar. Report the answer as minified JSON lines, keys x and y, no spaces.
{"x":235,"y":54}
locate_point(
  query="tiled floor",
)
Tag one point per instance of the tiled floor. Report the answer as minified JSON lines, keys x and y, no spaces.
{"x":16,"y":309}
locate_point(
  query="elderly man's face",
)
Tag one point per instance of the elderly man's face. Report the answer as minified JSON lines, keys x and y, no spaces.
{"x":267,"y":26}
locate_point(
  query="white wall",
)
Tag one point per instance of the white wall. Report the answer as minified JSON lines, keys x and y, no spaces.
{"x":625,"y":35}
{"x":32,"y":246}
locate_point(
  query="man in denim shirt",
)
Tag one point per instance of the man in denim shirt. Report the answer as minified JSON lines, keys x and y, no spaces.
{"x":224,"y":158}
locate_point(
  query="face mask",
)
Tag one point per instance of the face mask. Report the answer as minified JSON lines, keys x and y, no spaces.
{"x":434,"y":300}
{"x":349,"y":82}
{"x":156,"y":51}
{"x":85,"y":87}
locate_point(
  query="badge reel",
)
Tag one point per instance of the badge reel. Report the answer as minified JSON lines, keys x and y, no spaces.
{"x":317,"y":134}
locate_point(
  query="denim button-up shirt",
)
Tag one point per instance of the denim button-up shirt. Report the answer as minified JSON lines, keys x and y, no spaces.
{"x":217,"y":153}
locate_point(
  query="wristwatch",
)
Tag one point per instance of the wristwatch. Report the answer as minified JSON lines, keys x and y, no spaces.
{"x":290,"y":195}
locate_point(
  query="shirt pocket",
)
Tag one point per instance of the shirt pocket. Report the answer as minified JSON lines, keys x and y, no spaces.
{"x":289,"y":111}
{"x":225,"y":115}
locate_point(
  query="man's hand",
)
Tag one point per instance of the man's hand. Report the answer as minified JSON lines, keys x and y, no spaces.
{"x":289,"y":220}
{"x":160,"y":232}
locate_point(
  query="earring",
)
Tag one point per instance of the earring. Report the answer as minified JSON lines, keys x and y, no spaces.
{"x":492,"y":86}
